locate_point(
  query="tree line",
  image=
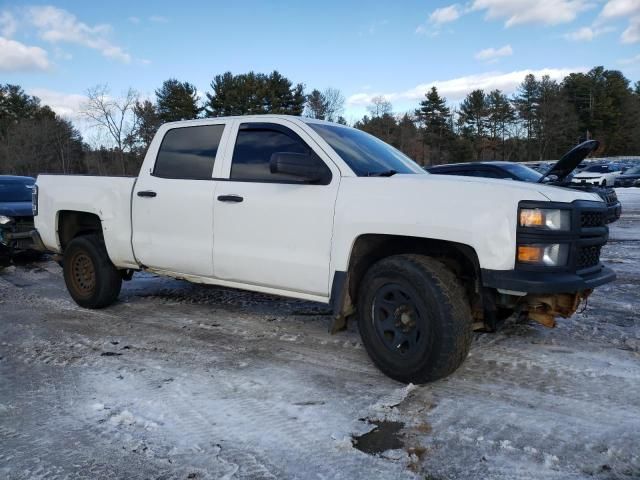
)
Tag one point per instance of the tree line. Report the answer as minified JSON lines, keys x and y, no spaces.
{"x":542,"y":120}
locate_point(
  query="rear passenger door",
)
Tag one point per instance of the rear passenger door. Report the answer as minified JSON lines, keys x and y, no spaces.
{"x":172,"y":206}
{"x":271,"y":229}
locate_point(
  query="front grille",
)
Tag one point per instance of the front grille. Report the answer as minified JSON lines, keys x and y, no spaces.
{"x":592,"y":219}
{"x":588,"y":256}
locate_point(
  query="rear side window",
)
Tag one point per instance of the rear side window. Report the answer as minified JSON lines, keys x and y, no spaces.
{"x":188,"y":152}
{"x":254,"y":146}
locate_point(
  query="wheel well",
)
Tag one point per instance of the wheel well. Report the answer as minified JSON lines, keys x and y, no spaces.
{"x":71,"y":224}
{"x":370,"y":248}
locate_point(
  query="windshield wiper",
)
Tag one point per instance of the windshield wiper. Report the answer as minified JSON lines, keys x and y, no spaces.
{"x":384,"y":173}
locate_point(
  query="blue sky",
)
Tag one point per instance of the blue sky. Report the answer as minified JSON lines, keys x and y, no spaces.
{"x":58,"y":50}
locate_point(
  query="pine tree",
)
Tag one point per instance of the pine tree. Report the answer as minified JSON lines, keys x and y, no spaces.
{"x":526,"y":104}
{"x":316,"y":106}
{"x":147,"y":122}
{"x":474,"y":115}
{"x":435,"y":117}
{"x":254,"y":93}
{"x":177,"y":101}
{"x":500,"y":116}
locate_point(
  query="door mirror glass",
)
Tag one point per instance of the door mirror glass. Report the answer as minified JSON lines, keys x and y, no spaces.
{"x":306,"y":167}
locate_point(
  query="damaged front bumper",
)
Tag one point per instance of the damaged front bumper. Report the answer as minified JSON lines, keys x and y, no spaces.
{"x":547,"y":282}
{"x":15,"y":240}
{"x":544,"y":292}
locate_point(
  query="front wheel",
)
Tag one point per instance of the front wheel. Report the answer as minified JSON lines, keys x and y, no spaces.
{"x":414,"y":318}
{"x":91,"y":279}
{"x":604,"y":183}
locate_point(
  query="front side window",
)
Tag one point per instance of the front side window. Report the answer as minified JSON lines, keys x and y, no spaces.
{"x":364,"y":153}
{"x":189,"y":152}
{"x":255,"y":145}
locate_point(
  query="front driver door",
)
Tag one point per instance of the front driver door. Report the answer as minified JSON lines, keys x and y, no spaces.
{"x":271,"y":229}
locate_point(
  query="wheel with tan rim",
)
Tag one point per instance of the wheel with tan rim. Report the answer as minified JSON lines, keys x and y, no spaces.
{"x":91,"y":279}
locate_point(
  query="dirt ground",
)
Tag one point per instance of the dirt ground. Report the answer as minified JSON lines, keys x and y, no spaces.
{"x":192,"y":382}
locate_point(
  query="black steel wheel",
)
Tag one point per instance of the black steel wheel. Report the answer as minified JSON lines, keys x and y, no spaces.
{"x":398,"y":320}
{"x":414,"y":318}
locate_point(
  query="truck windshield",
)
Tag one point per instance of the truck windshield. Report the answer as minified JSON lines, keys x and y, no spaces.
{"x":364,"y":153}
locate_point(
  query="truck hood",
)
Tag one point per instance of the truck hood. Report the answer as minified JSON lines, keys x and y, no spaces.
{"x":515,"y":189}
{"x":16,"y":209}
{"x":570,"y":161}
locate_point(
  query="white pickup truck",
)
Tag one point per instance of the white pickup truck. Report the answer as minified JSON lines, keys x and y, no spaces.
{"x":323,"y":212}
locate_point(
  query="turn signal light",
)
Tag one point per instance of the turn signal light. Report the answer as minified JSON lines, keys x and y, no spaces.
{"x":531,"y":217}
{"x":530,"y":254}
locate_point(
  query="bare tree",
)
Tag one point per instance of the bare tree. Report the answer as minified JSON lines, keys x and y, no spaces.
{"x":380,"y":106}
{"x":113,"y":115}
{"x":334,"y":104}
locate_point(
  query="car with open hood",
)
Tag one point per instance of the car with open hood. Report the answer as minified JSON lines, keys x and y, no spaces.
{"x":559,"y":174}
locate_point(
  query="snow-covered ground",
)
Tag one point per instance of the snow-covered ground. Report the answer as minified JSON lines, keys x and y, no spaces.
{"x":186,"y":381}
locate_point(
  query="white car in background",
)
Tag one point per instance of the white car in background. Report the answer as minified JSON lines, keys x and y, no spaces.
{"x":601,"y":174}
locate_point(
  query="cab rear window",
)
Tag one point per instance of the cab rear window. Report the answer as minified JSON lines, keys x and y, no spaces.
{"x":189,"y":152}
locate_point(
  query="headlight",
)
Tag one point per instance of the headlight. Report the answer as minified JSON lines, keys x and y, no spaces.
{"x":545,"y":218}
{"x":5,"y":220}
{"x":550,"y":254}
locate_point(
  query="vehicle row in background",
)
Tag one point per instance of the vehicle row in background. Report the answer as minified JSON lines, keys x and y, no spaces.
{"x":630,"y":178}
{"x":16,"y":215}
{"x":603,"y":174}
{"x":618,"y":172}
{"x":560,"y":174}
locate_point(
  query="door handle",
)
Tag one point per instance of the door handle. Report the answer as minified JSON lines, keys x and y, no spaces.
{"x":147,"y":193}
{"x":230,"y":198}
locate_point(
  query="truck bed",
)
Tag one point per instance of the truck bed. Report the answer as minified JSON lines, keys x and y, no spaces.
{"x":107,"y":197}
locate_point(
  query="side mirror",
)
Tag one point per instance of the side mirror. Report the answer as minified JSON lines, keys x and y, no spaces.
{"x":551,"y":178}
{"x":308,"y":168}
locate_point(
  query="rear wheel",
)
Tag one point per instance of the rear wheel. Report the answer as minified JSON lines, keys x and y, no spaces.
{"x":91,"y":279}
{"x":414,"y":318}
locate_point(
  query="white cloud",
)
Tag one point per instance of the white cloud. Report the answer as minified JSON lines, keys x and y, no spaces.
{"x":615,"y":9}
{"x":584,"y":34}
{"x":620,"y":8}
{"x":8,"y":24}
{"x":493,"y":54}
{"x":439,"y":17}
{"x":587,"y":34}
{"x":134,"y":20}
{"x":57,"y":25}
{"x":455,"y":89}
{"x":632,"y":33}
{"x":158,"y":19}
{"x":445,"y":14}
{"x":18,"y":57}
{"x":546,"y":12}
{"x":630,"y":61}
{"x":67,"y":105}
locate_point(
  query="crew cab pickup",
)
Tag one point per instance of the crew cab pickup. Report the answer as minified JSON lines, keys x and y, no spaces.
{"x":323,"y":212}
